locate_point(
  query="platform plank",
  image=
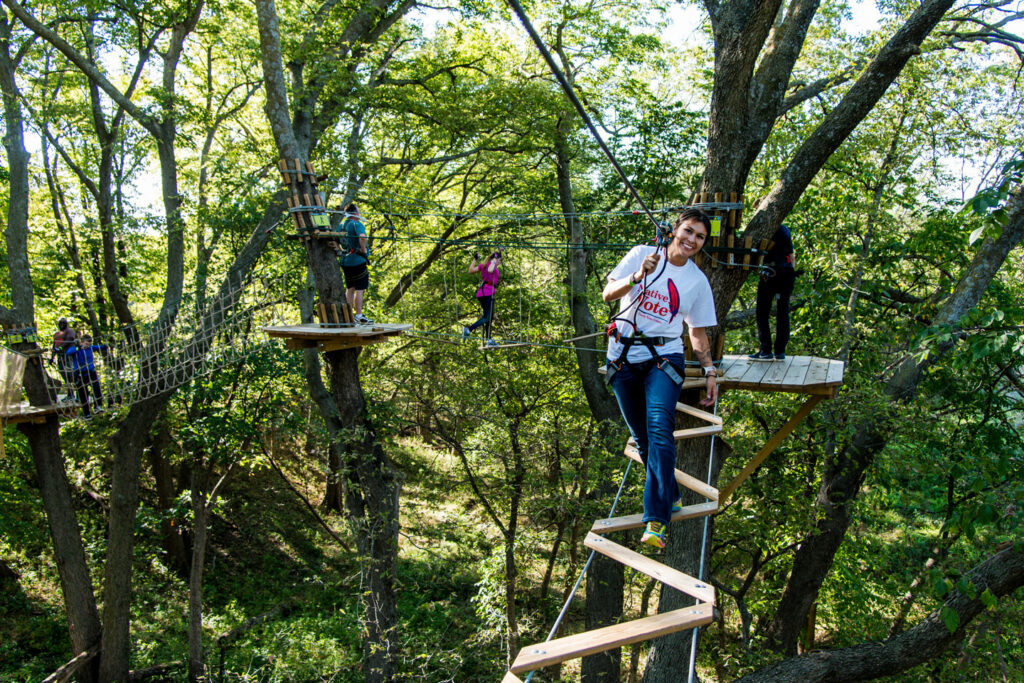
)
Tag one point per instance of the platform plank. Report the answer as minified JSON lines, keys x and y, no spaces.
{"x":590,"y":642}
{"x":776,"y":371}
{"x":317,"y":332}
{"x":792,"y":375}
{"x":627,"y":522}
{"x":736,"y":368}
{"x":23,"y":412}
{"x":727,"y":363}
{"x":797,"y":371}
{"x":685,"y":583}
{"x":755,"y":373}
{"x":682,"y":478}
{"x":836,"y":369}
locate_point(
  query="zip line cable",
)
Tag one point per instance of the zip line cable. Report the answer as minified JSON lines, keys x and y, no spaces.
{"x":571,"y":95}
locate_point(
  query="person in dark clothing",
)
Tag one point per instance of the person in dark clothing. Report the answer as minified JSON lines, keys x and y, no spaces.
{"x":83,"y":360}
{"x":63,"y":340}
{"x":776,"y":283}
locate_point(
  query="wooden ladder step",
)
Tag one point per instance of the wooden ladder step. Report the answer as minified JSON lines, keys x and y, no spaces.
{"x":697,"y":412}
{"x":510,"y":678}
{"x":690,"y":433}
{"x":611,"y":524}
{"x":610,"y":637}
{"x":684,"y":479}
{"x":695,"y":588}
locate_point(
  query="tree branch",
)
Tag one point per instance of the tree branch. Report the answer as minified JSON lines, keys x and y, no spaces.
{"x":1000,"y":575}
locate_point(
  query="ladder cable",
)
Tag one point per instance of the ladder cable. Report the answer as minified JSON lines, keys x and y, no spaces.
{"x":583,"y":572}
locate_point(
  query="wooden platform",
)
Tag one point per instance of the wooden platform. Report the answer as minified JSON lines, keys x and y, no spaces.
{"x":23,"y":412}
{"x":333,"y":337}
{"x":795,"y":374}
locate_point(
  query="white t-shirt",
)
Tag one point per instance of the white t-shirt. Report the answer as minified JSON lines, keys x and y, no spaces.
{"x":679,"y":294}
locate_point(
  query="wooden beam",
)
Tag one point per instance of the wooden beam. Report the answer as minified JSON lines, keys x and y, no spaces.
{"x":510,"y":678}
{"x":684,"y":479}
{"x":610,"y":524}
{"x":610,"y":637}
{"x":772,"y":444}
{"x":685,"y":583}
{"x":689,"y":433}
{"x":697,"y":412}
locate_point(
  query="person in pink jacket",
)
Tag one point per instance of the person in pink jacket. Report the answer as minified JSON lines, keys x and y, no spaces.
{"x":490,"y":273}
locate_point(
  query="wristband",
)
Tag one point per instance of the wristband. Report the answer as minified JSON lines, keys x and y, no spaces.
{"x":710,"y":371}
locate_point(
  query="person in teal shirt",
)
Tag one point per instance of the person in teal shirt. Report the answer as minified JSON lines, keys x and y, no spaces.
{"x":353,"y":262}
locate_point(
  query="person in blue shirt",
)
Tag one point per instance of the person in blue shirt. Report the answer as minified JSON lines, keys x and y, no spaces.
{"x":353,"y":262}
{"x":778,"y":283}
{"x":83,"y":360}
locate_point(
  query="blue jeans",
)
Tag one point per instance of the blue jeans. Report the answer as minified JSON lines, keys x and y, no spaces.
{"x":647,"y":398}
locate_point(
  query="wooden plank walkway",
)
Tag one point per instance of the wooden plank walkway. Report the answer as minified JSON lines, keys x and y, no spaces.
{"x":333,"y":337}
{"x":795,"y":374}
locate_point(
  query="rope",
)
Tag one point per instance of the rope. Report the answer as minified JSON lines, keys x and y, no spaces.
{"x":703,"y":552}
{"x":571,"y":95}
{"x":572,"y":593}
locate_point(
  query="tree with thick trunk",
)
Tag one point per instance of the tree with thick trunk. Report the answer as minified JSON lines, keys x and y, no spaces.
{"x":998,"y":576}
{"x":754,"y":59}
{"x":44,"y":439}
{"x":845,"y":471}
{"x":371,"y":486}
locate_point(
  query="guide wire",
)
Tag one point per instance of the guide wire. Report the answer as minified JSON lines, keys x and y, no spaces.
{"x":571,"y":95}
{"x":703,"y":553}
{"x":583,"y":572}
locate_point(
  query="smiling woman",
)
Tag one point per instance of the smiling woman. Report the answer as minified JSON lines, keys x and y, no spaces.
{"x":645,"y":353}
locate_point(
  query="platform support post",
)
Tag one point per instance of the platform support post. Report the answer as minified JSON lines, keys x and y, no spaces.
{"x":773,"y":443}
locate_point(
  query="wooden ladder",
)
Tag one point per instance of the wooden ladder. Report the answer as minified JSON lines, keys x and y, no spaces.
{"x":591,"y":642}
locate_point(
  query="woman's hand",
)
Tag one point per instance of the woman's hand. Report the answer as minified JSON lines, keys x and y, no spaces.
{"x":648,"y":266}
{"x":712,"y":391}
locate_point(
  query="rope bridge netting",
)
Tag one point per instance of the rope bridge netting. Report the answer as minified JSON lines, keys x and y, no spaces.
{"x":144,"y":360}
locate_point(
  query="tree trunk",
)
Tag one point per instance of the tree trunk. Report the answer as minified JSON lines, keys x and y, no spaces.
{"x":44,"y":439}
{"x":127,"y":446}
{"x":200,"y":513}
{"x":669,"y":658}
{"x":371,"y":484}
{"x":69,"y":551}
{"x":166,"y":493}
{"x":845,"y":472}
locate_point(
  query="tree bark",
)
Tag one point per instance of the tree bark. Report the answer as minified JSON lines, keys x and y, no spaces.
{"x":371,"y":483}
{"x":740,"y":31}
{"x":44,"y":439}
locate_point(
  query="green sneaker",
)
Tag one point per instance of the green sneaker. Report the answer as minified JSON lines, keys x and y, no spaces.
{"x":654,"y":535}
{"x":677,"y":506}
